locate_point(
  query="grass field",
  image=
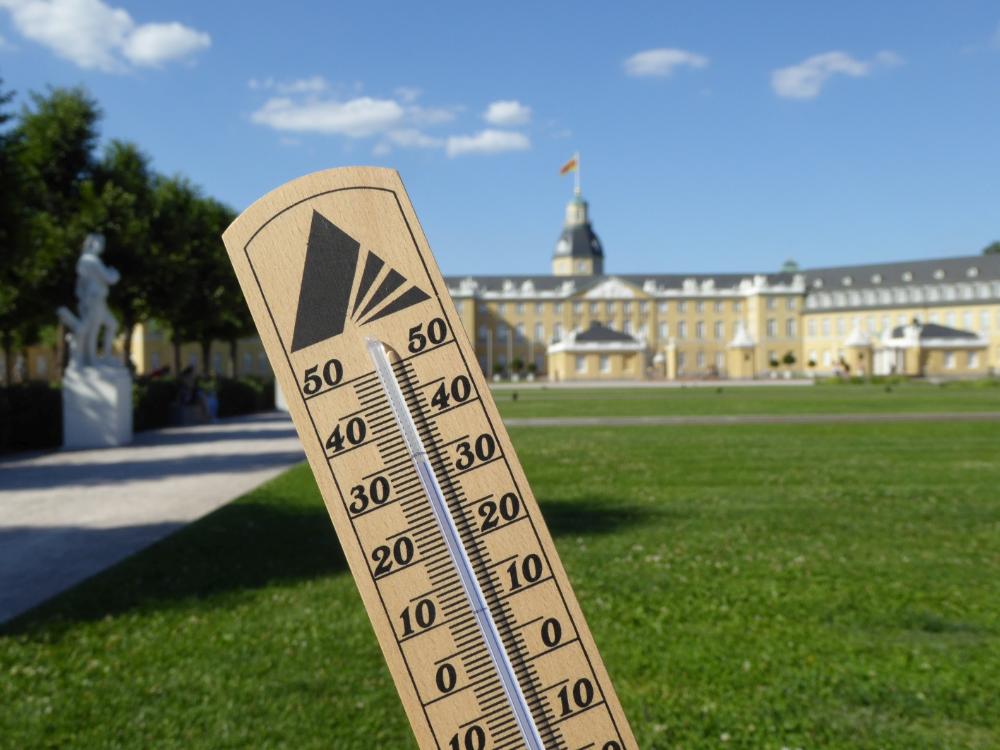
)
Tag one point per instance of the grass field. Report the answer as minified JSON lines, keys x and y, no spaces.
{"x":809,"y":586}
{"x":817,"y":399}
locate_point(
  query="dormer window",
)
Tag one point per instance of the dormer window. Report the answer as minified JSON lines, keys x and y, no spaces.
{"x":847,"y":281}
{"x":876,"y":278}
{"x":818,"y":284}
{"x":939,"y":273}
{"x":972,"y":272}
{"x":907,"y":276}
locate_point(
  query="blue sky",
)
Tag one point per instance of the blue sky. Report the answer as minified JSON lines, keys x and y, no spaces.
{"x":714,"y":136}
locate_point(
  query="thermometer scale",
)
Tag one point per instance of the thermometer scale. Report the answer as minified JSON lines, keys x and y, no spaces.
{"x":476,"y":618}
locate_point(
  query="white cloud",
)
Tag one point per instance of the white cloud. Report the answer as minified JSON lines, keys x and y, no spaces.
{"x":408,"y":94}
{"x":507,"y":113}
{"x":413,"y":138}
{"x":153,"y":44}
{"x":662,"y":62}
{"x":355,"y":118}
{"x":431,"y":115}
{"x":487,"y":142}
{"x":96,"y":36}
{"x":311,"y":85}
{"x":806,"y":80}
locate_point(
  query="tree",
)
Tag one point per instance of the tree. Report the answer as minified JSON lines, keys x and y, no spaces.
{"x":789,"y":359}
{"x":195,"y":292}
{"x":118,"y":202}
{"x":173,"y":230}
{"x":992,"y":249}
{"x":12,"y":262}
{"x":53,"y":147}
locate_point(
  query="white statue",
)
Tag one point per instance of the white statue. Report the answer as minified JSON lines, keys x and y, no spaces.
{"x":93,"y":279}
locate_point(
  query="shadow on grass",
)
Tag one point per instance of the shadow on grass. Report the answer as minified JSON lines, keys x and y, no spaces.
{"x":241,"y":546}
{"x":590,"y":516}
{"x":245,"y":546}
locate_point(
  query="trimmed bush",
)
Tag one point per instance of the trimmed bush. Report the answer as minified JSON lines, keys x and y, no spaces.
{"x":30,"y":417}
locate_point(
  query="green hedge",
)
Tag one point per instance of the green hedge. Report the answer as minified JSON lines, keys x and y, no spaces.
{"x":30,"y":417}
{"x":31,"y":413}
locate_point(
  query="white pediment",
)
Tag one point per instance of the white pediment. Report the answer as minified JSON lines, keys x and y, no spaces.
{"x":612,"y":288}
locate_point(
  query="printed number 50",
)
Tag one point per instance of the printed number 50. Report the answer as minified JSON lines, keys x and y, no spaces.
{"x":436,"y":333}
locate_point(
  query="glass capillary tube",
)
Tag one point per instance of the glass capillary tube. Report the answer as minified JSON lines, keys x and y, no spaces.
{"x":460,"y":558}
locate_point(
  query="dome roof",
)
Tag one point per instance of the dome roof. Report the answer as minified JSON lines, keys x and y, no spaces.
{"x":578,"y":241}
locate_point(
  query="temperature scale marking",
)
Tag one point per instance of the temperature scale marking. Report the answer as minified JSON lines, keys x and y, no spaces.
{"x":478,"y":623}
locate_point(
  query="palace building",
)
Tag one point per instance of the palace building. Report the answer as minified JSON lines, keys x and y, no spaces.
{"x":920,"y":318}
{"x":926,"y":318}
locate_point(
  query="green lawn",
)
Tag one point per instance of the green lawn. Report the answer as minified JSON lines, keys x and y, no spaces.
{"x":817,"y":399}
{"x":808,"y":586}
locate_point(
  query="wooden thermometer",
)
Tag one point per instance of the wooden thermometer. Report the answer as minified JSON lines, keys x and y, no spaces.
{"x":475,"y":615}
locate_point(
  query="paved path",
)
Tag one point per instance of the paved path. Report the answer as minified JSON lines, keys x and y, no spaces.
{"x":67,"y":515}
{"x":631,"y":385}
{"x":729,"y":419}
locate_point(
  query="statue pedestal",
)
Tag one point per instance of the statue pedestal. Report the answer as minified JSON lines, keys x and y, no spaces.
{"x":279,"y":398}
{"x":97,"y":407}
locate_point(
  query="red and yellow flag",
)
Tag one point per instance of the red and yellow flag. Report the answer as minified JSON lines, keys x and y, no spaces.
{"x":570,"y":166}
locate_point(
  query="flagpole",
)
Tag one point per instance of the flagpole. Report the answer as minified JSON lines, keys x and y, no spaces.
{"x":576,"y":175}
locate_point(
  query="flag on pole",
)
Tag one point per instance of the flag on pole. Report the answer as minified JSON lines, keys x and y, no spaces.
{"x":570,"y":166}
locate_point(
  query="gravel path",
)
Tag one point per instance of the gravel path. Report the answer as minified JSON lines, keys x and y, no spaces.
{"x":67,"y":515}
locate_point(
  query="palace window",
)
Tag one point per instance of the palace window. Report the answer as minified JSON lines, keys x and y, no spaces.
{"x":539,"y":308}
{"x":973,"y":360}
{"x":967,"y":320}
{"x":539,"y":332}
{"x":718,"y":306}
{"x":594,"y":307}
{"x":663,"y":307}
{"x":811,"y":327}
{"x":790,"y":303}
{"x":736,"y":306}
{"x":643,"y":308}
{"x":949,"y":360}
{"x":790,"y":328}
{"x":682,"y":329}
{"x":519,"y":335}
{"x":519,"y":308}
{"x":826,"y":326}
{"x":482,"y":333}
{"x":719,"y":329}
{"x":609,"y":308}
{"x":949,"y":319}
{"x":772,"y":328}
{"x":627,"y":326}
{"x":720,"y":361}
{"x":771,"y":303}
{"x":581,"y":363}
{"x":605,"y":363}
{"x":841,"y":326}
{"x":700,"y":360}
{"x":984,"y":321}
{"x":578,"y":307}
{"x":682,"y":306}
{"x":699,"y":330}
{"x":664,"y":330}
{"x":557,"y":332}
{"x":558,"y":308}
{"x":627,"y":308}
{"x":699,"y":306}
{"x":501,"y":332}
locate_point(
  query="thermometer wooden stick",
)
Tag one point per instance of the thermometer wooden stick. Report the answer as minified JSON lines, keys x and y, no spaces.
{"x":476,"y":618}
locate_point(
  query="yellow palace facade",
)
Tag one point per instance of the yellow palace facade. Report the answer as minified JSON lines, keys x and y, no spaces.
{"x":926,"y":318}
{"x":929,"y":318}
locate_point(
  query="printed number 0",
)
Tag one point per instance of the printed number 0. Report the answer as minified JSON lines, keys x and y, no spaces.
{"x":436,"y":333}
